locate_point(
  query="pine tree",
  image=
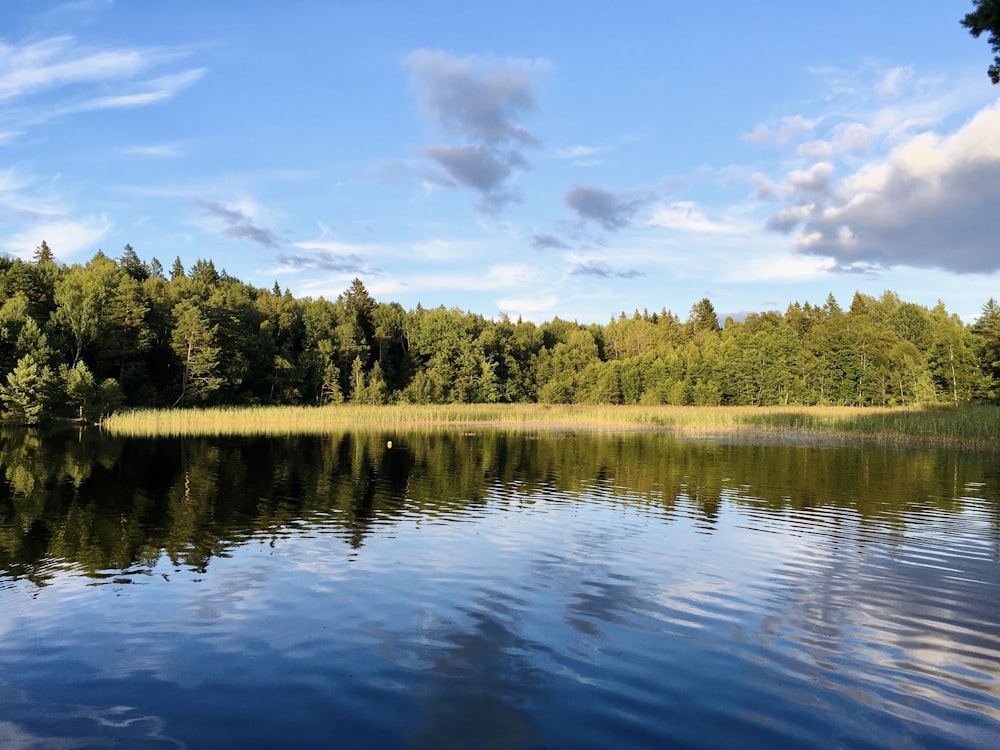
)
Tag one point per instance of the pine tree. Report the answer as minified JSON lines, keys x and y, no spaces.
{"x":987,"y":332}
{"x":28,"y":391}
{"x":131,"y":264}
{"x":703,"y":318}
{"x":177,"y":269}
{"x":43,"y":255}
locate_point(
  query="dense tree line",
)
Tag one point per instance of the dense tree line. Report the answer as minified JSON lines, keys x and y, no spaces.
{"x":83,"y":340}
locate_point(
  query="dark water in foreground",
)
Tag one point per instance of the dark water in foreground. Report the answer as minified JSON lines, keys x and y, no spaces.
{"x":495,"y":591}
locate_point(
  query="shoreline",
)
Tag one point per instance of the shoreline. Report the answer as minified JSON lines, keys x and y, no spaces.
{"x":967,"y":427}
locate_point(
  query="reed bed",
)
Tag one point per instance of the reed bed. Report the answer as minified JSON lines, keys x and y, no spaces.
{"x":968,"y":427}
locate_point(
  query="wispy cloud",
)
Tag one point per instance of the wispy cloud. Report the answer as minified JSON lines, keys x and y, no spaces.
{"x":326,"y":261}
{"x":147,"y":92}
{"x":602,"y":270}
{"x":60,"y":61}
{"x":577,"y":152}
{"x":238,"y":224}
{"x":787,"y":130}
{"x":155,"y":150}
{"x":329,"y":256}
{"x":50,"y":78}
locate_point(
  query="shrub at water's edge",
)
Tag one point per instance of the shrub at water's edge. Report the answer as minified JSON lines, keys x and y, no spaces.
{"x":967,"y":426}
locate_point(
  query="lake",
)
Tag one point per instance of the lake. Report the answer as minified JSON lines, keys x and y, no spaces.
{"x":495,"y":590}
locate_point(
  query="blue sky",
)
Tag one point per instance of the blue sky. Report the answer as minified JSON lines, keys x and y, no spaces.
{"x":533,"y":158}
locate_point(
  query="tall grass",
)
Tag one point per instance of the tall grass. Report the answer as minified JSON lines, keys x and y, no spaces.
{"x":970,"y":426}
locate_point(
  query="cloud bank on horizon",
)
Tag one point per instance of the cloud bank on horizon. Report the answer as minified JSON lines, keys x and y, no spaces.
{"x":577,"y":179}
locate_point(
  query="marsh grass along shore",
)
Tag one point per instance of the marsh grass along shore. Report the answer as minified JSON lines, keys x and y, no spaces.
{"x":967,"y":427}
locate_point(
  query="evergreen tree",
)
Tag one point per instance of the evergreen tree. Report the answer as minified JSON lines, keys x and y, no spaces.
{"x":986,"y":18}
{"x":131,"y":264}
{"x":203,"y":272}
{"x":177,"y":269}
{"x":28,"y":392}
{"x":43,"y":255}
{"x":987,"y":332}
{"x":703,"y":319}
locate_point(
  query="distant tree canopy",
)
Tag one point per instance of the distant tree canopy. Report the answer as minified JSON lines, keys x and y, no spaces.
{"x":986,"y":18}
{"x":82,"y":340}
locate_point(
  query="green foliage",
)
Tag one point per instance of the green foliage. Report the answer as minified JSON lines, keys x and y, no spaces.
{"x":207,"y":338}
{"x":81,"y":390}
{"x":703,"y":319}
{"x":986,"y":331}
{"x":28,"y":392}
{"x":177,"y":269}
{"x":84,"y":298}
{"x":43,"y":255}
{"x":986,"y":18}
{"x":132,"y":265}
{"x":194,"y":343}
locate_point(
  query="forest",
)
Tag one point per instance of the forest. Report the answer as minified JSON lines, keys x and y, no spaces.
{"x":81,"y":341}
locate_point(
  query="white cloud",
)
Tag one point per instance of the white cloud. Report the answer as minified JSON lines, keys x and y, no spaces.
{"x":156,"y":90}
{"x":43,"y":80}
{"x":503,"y":278}
{"x":332,"y":246}
{"x":156,"y":150}
{"x":60,"y":61}
{"x":441,"y":249}
{"x":816,"y":179}
{"x":687,"y":216}
{"x":760,"y":135}
{"x":788,"y":218}
{"x":846,"y":137}
{"x":851,"y":136}
{"x":577,"y":152}
{"x":815,"y":150}
{"x":11,"y":181}
{"x":764,"y":186}
{"x":788,"y":130}
{"x":530,"y":308}
{"x":931,"y":203}
{"x":891,"y":84}
{"x":65,"y":236}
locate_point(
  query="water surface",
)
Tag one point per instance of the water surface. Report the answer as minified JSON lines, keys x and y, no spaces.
{"x":497,"y":591}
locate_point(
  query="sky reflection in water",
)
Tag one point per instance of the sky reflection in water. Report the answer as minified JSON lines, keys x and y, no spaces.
{"x":495,"y":591}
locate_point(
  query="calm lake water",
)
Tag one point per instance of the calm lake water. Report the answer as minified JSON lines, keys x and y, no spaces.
{"x":495,"y":591}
